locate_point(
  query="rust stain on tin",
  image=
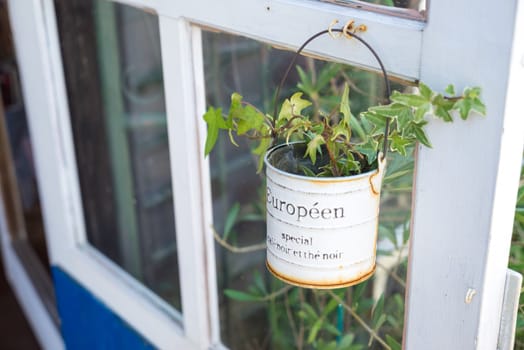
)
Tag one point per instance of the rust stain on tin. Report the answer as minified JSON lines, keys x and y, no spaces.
{"x":323,"y":181}
{"x":326,"y":285}
{"x":375,"y":187}
{"x":374,"y":191}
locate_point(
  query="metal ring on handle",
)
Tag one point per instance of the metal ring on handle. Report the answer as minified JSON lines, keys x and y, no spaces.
{"x":384,"y":73}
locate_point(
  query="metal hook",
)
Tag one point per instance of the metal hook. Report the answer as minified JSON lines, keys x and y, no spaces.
{"x":348,"y":28}
{"x":362,"y":28}
{"x":330,"y":30}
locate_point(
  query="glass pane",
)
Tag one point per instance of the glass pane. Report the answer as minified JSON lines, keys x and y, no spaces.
{"x":113,"y":69}
{"x":404,"y":4}
{"x":416,"y":9}
{"x":21,"y":153}
{"x":257,"y":311}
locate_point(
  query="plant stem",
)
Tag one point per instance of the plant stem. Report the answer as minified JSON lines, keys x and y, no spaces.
{"x":453,"y":99}
{"x":301,"y":331}
{"x":234,"y":249}
{"x":360,"y":320}
{"x":394,"y":275}
{"x":288,"y":124}
{"x":277,"y":293}
{"x":332,"y":160}
{"x":298,"y":340}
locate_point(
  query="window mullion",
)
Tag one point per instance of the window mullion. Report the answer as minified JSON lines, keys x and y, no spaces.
{"x":178,"y":63}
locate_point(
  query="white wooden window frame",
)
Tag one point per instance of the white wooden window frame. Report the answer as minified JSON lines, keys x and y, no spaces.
{"x":26,"y":273}
{"x":437,"y":52}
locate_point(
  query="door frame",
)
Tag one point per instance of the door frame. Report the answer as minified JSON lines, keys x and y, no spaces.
{"x":479,"y":248}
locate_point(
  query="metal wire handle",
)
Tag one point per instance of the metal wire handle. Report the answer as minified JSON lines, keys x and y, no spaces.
{"x":352,"y":35}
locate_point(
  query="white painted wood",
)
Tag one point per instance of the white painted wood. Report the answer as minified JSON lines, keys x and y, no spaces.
{"x":50,"y":125}
{"x":34,"y":31}
{"x":510,"y":309}
{"x":287,"y":23}
{"x":462,"y":212}
{"x":198,"y":285}
{"x":466,"y":185}
{"x":205,"y":175}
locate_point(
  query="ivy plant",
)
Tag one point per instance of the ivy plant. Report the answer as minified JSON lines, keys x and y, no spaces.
{"x":351,"y":145}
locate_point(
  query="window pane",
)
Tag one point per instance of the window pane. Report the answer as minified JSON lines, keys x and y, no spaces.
{"x":112,"y":63}
{"x":404,"y":4}
{"x":416,"y":9}
{"x":258,"y":311}
{"x":21,"y":153}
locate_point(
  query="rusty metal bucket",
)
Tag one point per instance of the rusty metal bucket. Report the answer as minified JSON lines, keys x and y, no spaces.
{"x":321,"y":232}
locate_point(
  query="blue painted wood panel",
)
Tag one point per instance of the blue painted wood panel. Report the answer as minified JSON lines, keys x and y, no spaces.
{"x":86,"y":323}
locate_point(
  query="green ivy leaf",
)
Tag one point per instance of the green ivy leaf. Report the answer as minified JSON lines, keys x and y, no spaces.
{"x":442,"y":106}
{"x":478,"y":106}
{"x":235,"y":108}
{"x":391,"y":110}
{"x":425,"y":91}
{"x":419,"y":133}
{"x":470,"y":102}
{"x":250,"y":119}
{"x":292,"y":106}
{"x":404,"y":118}
{"x":313,"y":146}
{"x":450,"y":90}
{"x":341,"y":130}
{"x":443,"y":114}
{"x":399,"y":143}
{"x":410,"y":100}
{"x":260,"y":151}
{"x":215,"y":122}
{"x":378,"y":120}
{"x":298,"y":103}
{"x":464,"y":107}
{"x":369,"y":149}
{"x":421,"y":111}
{"x":348,"y":165}
{"x":472,"y":93}
{"x":357,"y":127}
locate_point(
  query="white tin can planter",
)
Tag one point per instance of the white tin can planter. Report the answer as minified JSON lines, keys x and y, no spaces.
{"x":321,"y":232}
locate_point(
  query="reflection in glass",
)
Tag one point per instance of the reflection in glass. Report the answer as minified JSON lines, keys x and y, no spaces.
{"x":403,"y":8}
{"x":258,"y":311}
{"x":112,"y":63}
{"x":405,"y":4}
